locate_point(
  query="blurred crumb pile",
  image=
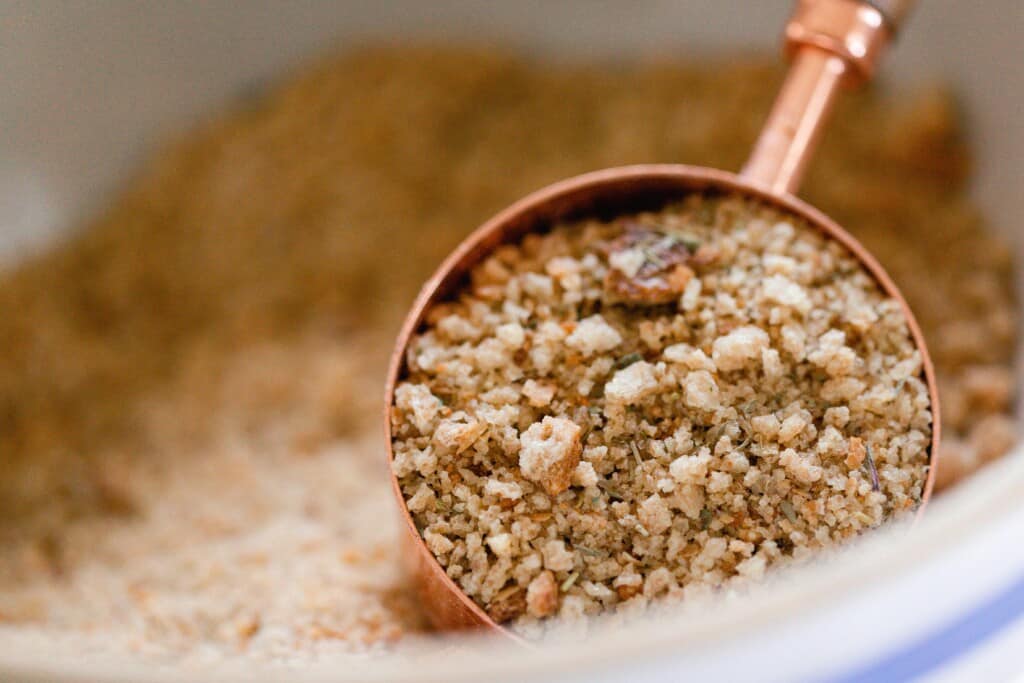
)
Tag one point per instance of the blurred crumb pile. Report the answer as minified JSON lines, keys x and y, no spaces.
{"x":190,"y":456}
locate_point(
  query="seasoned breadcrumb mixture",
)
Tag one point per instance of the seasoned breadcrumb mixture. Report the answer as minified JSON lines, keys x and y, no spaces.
{"x":190,"y":461}
{"x":656,"y":406}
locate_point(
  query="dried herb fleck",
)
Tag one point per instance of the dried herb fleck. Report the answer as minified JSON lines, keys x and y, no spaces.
{"x":691,"y":242}
{"x":787,"y":509}
{"x":628,"y":360}
{"x":636,"y":453}
{"x":608,"y":488}
{"x":870,"y":460}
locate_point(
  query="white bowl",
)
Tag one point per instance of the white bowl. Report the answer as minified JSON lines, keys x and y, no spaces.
{"x":85,"y":88}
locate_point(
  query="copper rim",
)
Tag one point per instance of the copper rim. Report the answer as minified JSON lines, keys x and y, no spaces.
{"x":603,"y":193}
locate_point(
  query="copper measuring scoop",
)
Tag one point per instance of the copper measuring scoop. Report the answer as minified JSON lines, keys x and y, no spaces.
{"x":831,"y":43}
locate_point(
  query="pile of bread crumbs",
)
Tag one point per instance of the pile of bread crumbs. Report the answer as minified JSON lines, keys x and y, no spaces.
{"x":647,"y":409}
{"x":192,"y":465}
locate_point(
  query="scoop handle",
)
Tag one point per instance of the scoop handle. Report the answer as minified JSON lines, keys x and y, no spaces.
{"x":831,"y":43}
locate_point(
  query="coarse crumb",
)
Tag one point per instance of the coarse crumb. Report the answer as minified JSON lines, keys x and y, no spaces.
{"x":549,"y":451}
{"x":680,"y":441}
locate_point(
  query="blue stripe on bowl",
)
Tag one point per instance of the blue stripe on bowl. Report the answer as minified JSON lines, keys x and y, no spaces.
{"x":940,"y":647}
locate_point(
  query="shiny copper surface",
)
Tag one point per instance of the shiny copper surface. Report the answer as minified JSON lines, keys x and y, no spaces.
{"x":854,"y":31}
{"x":794,"y":126}
{"x":771,"y":175}
{"x":831,"y":43}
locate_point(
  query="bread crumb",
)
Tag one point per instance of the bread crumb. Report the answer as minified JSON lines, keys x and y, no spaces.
{"x":584,"y":475}
{"x":737,"y":349}
{"x":509,"y":490}
{"x":557,"y":558}
{"x":593,"y":335}
{"x":781,"y":290}
{"x":857,"y":453}
{"x":549,"y":452}
{"x":631,"y":384}
{"x":539,"y":394}
{"x":701,"y":390}
{"x":655,"y":515}
{"x":417,"y":399}
{"x":542,"y":595}
{"x":500,"y":544}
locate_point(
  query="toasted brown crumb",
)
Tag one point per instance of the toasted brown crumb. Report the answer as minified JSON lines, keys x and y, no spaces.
{"x":542,"y":595}
{"x":508,"y":607}
{"x":856,"y":453}
{"x":549,"y":451}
